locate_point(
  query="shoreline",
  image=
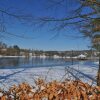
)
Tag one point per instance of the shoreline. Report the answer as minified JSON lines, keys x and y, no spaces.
{"x":11,"y":56}
{"x":66,"y":58}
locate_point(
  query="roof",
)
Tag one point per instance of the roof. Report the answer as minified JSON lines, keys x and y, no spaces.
{"x":82,"y":56}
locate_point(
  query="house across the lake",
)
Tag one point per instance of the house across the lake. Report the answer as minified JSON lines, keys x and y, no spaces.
{"x":81,"y":57}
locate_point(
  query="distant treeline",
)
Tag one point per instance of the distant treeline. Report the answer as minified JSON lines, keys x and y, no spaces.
{"x":15,"y":50}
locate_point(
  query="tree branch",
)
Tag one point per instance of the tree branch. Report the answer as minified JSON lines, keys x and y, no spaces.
{"x":70,"y":18}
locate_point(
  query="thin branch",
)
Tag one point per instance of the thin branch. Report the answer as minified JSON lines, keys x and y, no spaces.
{"x":18,"y":36}
{"x":24,"y":17}
{"x":70,"y":18}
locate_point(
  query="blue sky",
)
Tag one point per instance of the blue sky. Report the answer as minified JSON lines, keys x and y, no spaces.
{"x":43,"y":38}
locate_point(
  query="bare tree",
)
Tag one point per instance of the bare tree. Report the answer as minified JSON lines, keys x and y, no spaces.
{"x":74,"y":19}
{"x":88,"y":23}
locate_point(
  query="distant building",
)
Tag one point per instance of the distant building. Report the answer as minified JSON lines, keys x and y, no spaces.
{"x":22,"y":53}
{"x":81,"y":56}
{"x":30,"y":54}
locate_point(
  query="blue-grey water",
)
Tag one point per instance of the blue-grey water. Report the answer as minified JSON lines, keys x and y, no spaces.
{"x":18,"y":62}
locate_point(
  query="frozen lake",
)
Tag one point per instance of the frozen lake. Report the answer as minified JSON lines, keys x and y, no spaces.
{"x":21,"y":62}
{"x":18,"y":70}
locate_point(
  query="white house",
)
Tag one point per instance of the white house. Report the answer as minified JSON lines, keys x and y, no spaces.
{"x":81,"y":56}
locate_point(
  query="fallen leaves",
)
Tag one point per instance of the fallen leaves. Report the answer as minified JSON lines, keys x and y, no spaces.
{"x":67,"y":90}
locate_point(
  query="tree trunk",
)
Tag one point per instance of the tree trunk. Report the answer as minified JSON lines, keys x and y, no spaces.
{"x":98,"y":74}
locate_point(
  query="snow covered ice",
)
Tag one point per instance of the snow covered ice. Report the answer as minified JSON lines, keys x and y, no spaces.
{"x":9,"y":77}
